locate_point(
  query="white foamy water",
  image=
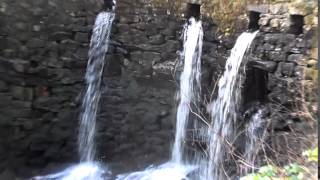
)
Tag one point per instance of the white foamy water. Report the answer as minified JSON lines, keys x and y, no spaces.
{"x":223,"y":111}
{"x":89,"y":170}
{"x":190,"y":77}
{"x":255,"y":133}
{"x":168,"y":171}
{"x":84,"y":171}
{"x":98,"y":49}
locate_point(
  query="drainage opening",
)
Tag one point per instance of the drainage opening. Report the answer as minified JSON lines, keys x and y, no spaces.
{"x":296,"y":24}
{"x":193,"y":10}
{"x":255,"y":86}
{"x":108,"y":4}
{"x":254,"y":20}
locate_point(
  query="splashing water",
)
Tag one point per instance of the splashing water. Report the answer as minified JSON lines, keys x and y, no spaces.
{"x":168,"y":171}
{"x":223,"y":110}
{"x":255,"y":133}
{"x":88,"y":170}
{"x":84,"y":171}
{"x":191,"y":57}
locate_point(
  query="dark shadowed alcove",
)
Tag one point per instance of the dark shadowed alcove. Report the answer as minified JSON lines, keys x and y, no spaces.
{"x":108,"y":4}
{"x":254,"y":20}
{"x":296,"y":24}
{"x":255,"y":86}
{"x":193,"y":10}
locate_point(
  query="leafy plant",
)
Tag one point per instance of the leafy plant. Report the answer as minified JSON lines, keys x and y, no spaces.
{"x":312,"y":155}
{"x":291,"y":172}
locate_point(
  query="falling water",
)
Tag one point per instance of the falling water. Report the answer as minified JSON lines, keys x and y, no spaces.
{"x":189,"y":81}
{"x":255,"y":133}
{"x":189,"y":87}
{"x":89,"y":170}
{"x":98,"y":48}
{"x":223,"y":110}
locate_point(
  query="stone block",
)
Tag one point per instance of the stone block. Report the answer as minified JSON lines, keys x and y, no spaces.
{"x":297,"y":58}
{"x":22,"y":93}
{"x":35,"y":43}
{"x":20,"y":66}
{"x":3,"y":86}
{"x":285,"y":69}
{"x":157,"y":39}
{"x":277,"y":56}
{"x":82,"y":37}
{"x":268,"y":66}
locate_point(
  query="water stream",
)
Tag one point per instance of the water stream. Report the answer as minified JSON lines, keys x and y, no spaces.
{"x":224,"y":111}
{"x":177,"y":169}
{"x":189,"y":83}
{"x":98,"y":49}
{"x":88,"y":169}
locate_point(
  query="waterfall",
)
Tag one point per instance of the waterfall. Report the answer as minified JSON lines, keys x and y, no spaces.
{"x":255,"y":135}
{"x":189,"y":82}
{"x":176,"y":169}
{"x":88,"y":169}
{"x":98,"y":49}
{"x":224,"y":110}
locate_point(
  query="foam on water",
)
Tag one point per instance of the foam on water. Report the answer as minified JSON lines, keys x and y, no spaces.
{"x":84,"y":171}
{"x":168,"y":171}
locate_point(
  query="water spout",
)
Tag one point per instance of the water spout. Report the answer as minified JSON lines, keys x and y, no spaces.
{"x":189,"y":83}
{"x":224,"y":111}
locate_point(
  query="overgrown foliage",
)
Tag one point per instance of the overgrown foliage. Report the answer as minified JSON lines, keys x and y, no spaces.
{"x":293,"y":171}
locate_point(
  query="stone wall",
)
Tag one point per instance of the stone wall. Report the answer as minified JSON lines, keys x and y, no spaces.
{"x":43,"y":55}
{"x":138,"y":111}
{"x":283,"y":61}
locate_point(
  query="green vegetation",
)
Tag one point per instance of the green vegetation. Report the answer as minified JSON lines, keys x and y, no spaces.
{"x":293,"y":171}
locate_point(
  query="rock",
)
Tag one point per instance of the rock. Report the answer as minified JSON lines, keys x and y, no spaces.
{"x":3,"y":86}
{"x":20,"y":66}
{"x":7,"y":175}
{"x":22,"y":93}
{"x":82,"y":37}
{"x":171,"y":46}
{"x":275,"y":23}
{"x":278,"y":9}
{"x":268,"y":47}
{"x":52,"y":104}
{"x":297,"y":58}
{"x":312,"y":63}
{"x":157,"y":39}
{"x":60,"y":36}
{"x":263,"y":9}
{"x":139,"y":56}
{"x":277,"y":56}
{"x":286,"y":39}
{"x":81,"y":53}
{"x":272,"y":38}
{"x":285,"y":69}
{"x":166,"y":67}
{"x":35,"y":43}
{"x":269,"y":66}
{"x":36,"y":28}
